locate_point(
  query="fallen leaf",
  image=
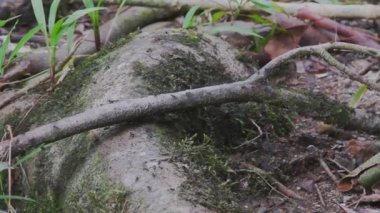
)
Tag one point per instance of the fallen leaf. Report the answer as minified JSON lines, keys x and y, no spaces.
{"x":284,"y":41}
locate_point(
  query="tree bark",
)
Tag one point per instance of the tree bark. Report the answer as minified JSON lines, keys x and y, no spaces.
{"x":326,"y":10}
{"x":252,"y":89}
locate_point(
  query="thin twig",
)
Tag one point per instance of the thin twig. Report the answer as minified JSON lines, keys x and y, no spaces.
{"x":281,"y":187}
{"x":320,"y":195}
{"x":339,"y":165}
{"x":327,"y":169}
{"x":9,"y":129}
{"x":367,"y":68}
{"x":265,"y":181}
{"x":252,"y":140}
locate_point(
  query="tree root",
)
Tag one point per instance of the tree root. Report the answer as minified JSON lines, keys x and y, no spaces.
{"x":254,"y":88}
{"x":326,"y":10}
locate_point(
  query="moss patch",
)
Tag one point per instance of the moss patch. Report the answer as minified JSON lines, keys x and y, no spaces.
{"x":44,"y":203}
{"x":181,"y":70}
{"x":206,"y":136}
{"x":95,"y":192}
{"x":67,"y":98}
{"x":11,"y":119}
{"x":186,"y":37}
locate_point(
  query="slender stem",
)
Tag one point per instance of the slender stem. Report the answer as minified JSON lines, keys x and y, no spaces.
{"x":97,"y":37}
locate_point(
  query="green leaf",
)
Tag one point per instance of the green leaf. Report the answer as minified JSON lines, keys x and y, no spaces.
{"x":236,"y":29}
{"x":15,"y":197}
{"x":90,"y":4}
{"x":358,"y":96}
{"x":53,"y":14}
{"x":327,"y":1}
{"x":70,"y":36}
{"x":217,"y":16}
{"x":100,"y":2}
{"x":4,"y":166}
{"x":79,"y":13}
{"x":261,"y":19}
{"x":39,"y":13}
{"x":3,"y":51}
{"x":28,"y":155}
{"x":267,"y":6}
{"x":4,"y":22}
{"x":23,"y":41}
{"x":189,"y":18}
{"x":56,"y":32}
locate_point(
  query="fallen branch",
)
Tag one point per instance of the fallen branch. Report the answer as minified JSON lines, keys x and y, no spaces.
{"x":326,"y":10}
{"x":252,"y":89}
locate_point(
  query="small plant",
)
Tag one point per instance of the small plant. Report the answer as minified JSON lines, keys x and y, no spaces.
{"x":355,"y":99}
{"x":267,"y":6}
{"x":189,"y":17}
{"x":213,"y":17}
{"x":4,"y":61}
{"x":95,"y":20}
{"x":54,"y":30}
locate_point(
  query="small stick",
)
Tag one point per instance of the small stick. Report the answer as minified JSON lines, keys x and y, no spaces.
{"x":328,"y":170}
{"x":254,"y":139}
{"x":320,"y":195}
{"x":9,"y":129}
{"x":282,"y":188}
{"x":338,"y":164}
{"x":366,"y":69}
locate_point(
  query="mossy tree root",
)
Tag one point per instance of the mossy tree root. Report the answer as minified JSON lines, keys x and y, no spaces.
{"x":254,"y":88}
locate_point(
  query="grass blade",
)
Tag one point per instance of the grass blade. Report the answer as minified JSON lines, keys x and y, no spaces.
{"x":53,"y":14}
{"x":229,"y":28}
{"x":358,"y":96}
{"x":189,"y":18}
{"x":3,"y":51}
{"x":4,"y":22}
{"x":90,"y":4}
{"x":24,"y":39}
{"x":327,"y":1}
{"x":217,"y":16}
{"x":39,"y":13}
{"x":70,"y":36}
{"x":4,"y":166}
{"x":15,"y":197}
{"x":79,"y":13}
{"x":31,"y":154}
{"x":56,"y":33}
{"x":267,"y":6}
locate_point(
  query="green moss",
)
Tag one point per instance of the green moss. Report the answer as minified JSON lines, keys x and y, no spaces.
{"x":11,"y":119}
{"x":248,"y":59}
{"x":44,"y":203}
{"x":188,"y":38}
{"x":66,"y":100}
{"x":206,"y":135}
{"x":181,"y":70}
{"x":67,"y":97}
{"x":207,"y":168}
{"x":323,"y":108}
{"x":95,"y":192}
